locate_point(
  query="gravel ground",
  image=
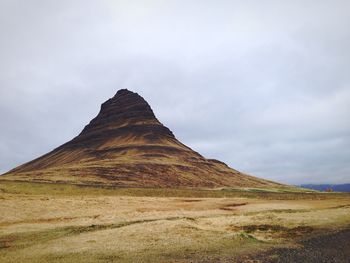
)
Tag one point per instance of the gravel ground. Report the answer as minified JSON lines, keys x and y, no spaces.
{"x":330,"y":248}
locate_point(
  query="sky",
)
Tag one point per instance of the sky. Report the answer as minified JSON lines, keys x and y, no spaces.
{"x":261,"y":85}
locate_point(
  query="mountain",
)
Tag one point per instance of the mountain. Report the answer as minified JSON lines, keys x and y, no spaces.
{"x":328,"y":187}
{"x":125,"y":145}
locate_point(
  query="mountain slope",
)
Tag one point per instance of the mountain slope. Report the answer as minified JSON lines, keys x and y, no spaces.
{"x":125,"y":145}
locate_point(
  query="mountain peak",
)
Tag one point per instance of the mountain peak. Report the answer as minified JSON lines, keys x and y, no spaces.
{"x":122,"y":92}
{"x":126,"y":114}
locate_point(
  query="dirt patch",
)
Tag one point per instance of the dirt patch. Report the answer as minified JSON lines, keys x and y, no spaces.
{"x":5,"y":242}
{"x":277,"y":231}
{"x":330,"y":248}
{"x":233,"y":206}
{"x":297,"y":232}
{"x":191,"y":200}
{"x":253,"y":228}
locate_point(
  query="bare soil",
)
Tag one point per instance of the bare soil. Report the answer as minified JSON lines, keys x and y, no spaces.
{"x":329,"y":248}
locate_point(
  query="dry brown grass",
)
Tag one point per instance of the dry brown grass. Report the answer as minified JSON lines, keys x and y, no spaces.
{"x":63,"y":223}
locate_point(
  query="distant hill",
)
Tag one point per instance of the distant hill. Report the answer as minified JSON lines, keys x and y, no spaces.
{"x":324,"y":187}
{"x":126,"y":145}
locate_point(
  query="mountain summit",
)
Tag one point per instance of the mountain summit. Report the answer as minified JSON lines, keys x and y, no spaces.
{"x":127,"y":114}
{"x":125,"y":145}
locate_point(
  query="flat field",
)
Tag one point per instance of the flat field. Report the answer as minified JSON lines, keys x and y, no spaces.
{"x":68,"y":223}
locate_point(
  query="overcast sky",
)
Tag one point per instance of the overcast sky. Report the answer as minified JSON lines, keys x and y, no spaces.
{"x":261,"y":85}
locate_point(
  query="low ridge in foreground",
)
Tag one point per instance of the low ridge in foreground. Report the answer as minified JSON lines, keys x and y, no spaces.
{"x":125,"y":145}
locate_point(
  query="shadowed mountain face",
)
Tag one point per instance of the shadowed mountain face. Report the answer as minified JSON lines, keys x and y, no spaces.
{"x":125,"y":145}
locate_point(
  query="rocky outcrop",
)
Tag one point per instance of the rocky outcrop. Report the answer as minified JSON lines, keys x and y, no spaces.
{"x":125,"y":145}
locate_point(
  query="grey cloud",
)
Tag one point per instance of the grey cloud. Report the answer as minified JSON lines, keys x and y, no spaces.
{"x":261,"y":85}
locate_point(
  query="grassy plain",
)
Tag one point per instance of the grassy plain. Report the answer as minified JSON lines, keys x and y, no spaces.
{"x":70,"y":223}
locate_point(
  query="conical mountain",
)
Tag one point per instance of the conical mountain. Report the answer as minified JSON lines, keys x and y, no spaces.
{"x":125,"y":145}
